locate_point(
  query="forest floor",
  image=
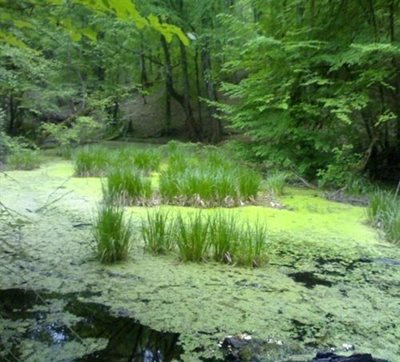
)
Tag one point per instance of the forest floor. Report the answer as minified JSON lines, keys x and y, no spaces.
{"x":331,"y":282}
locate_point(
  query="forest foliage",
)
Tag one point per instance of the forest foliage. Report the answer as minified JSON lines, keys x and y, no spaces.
{"x":310,"y":86}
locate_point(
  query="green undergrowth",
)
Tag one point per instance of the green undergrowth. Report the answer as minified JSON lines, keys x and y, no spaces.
{"x":24,"y":159}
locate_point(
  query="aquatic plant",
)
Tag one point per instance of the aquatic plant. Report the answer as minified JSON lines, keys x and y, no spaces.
{"x":147,"y":160}
{"x":224,"y":234}
{"x":252,"y":244}
{"x":127,"y":186}
{"x":384,"y":212}
{"x":276,"y":183}
{"x":249,"y":184}
{"x":92,"y":161}
{"x":157,"y":232}
{"x":192,"y":235}
{"x":391,"y":223}
{"x":210,"y":181}
{"x":23,"y":159}
{"x":112,"y":233}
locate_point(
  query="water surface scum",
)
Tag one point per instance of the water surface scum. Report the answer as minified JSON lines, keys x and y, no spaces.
{"x":330,"y":282}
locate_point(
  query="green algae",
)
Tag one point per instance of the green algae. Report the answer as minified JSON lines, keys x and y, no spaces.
{"x":206,"y":302}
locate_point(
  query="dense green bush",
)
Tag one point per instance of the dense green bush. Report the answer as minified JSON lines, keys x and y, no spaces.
{"x":82,"y":130}
{"x":343,"y":171}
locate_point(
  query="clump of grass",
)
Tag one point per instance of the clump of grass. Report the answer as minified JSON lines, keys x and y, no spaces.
{"x":192,"y":237}
{"x":251,"y":250}
{"x":384,"y":212}
{"x":233,"y":242}
{"x":112,"y":233}
{"x":147,"y":160}
{"x":391,"y":224}
{"x":210,"y":181}
{"x":23,"y":159}
{"x":380,"y":202}
{"x":157,"y":232}
{"x":276,"y":183}
{"x":92,"y":161}
{"x":224,"y":239}
{"x":128,"y":187}
{"x":249,"y":184}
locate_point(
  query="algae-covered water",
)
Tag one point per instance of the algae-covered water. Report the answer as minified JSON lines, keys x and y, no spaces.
{"x":331,"y":282}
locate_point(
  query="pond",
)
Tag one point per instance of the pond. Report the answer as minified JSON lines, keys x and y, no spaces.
{"x":330,"y":282}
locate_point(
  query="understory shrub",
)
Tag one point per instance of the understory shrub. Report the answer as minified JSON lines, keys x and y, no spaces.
{"x":384,"y":212}
{"x":82,"y":130}
{"x":21,"y":158}
{"x":343,"y":171}
{"x":128,"y":186}
{"x":112,"y":233}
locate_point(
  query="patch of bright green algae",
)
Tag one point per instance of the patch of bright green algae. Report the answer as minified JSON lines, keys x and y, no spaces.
{"x":356,"y":303}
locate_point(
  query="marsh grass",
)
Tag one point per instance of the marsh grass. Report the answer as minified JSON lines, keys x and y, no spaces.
{"x":249,"y":184}
{"x":192,"y":235}
{"x":384,"y":212}
{"x":147,"y":160}
{"x":92,"y":161}
{"x":200,"y":236}
{"x":127,"y":187}
{"x":276,"y":183}
{"x":252,"y":245}
{"x":224,"y":237}
{"x":24,"y":159}
{"x":112,"y":233}
{"x":208,"y":181}
{"x":157,"y":232}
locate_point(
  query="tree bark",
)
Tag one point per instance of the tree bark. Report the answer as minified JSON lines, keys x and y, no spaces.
{"x":216,"y":127}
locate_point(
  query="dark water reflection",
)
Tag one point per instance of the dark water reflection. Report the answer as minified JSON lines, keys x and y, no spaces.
{"x":128,"y":340}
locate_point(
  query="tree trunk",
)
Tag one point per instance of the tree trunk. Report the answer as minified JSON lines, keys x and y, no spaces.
{"x":216,"y":127}
{"x":12,"y":113}
{"x":169,"y":85}
{"x":193,"y":129}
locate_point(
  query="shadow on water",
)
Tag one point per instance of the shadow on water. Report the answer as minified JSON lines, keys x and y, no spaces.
{"x":128,"y":340}
{"x":309,"y":279}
